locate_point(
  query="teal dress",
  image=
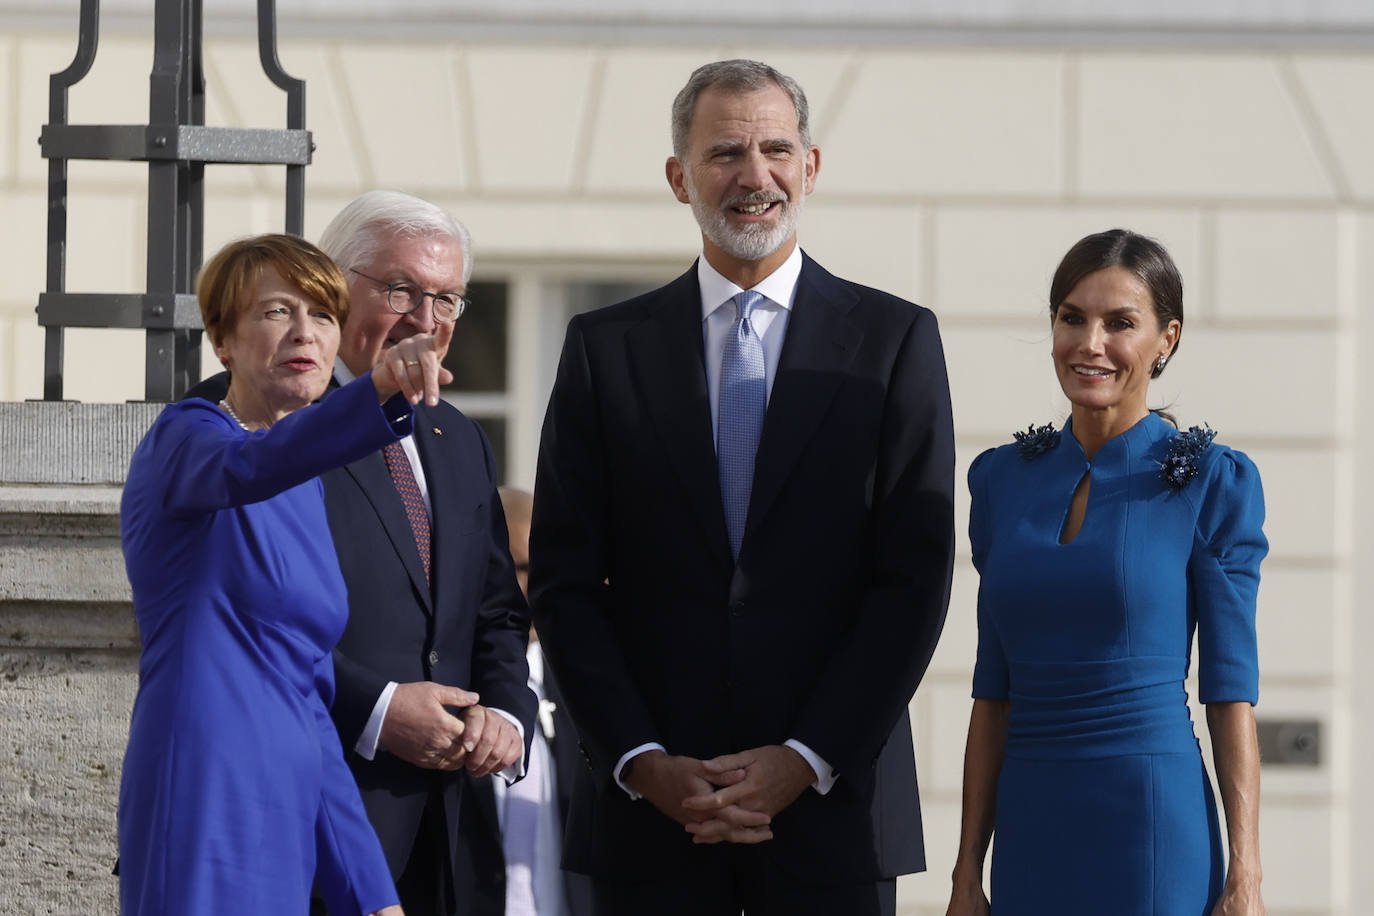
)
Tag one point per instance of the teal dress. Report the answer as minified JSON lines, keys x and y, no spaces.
{"x":1103,"y":801}
{"x":235,"y":797}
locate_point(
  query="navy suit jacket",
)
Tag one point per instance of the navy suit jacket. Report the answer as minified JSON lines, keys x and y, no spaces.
{"x":468,"y":630}
{"x":823,"y":627}
{"x":482,"y":861}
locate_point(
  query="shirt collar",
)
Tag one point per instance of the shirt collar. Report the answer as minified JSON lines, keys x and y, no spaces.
{"x":780,"y":286}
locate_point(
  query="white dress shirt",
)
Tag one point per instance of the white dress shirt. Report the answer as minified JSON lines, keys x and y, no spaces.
{"x":769,"y":320}
{"x":366,"y":745}
{"x":546,"y":879}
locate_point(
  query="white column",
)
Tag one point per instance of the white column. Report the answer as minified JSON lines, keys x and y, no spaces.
{"x":538,"y":313}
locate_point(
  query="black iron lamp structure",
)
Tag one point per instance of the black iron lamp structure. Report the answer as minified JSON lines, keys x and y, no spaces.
{"x":177,"y":145}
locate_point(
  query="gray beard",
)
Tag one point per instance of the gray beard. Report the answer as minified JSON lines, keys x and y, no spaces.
{"x":747,"y":243}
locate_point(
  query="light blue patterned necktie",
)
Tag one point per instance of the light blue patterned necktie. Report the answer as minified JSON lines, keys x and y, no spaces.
{"x":743,"y":398}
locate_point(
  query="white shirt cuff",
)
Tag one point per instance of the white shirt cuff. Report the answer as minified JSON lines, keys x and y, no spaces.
{"x":825,"y":774}
{"x":630,"y":755}
{"x":516,"y":770}
{"x":372,"y":732}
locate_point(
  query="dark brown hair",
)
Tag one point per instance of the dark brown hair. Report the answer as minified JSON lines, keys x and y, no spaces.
{"x":227,"y":283}
{"x":1142,"y":256}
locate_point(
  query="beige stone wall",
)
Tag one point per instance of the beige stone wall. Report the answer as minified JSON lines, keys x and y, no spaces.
{"x":68,"y":672}
{"x":956,"y":177}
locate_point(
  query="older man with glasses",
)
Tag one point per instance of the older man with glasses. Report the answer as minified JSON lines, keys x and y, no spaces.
{"x":434,"y":605}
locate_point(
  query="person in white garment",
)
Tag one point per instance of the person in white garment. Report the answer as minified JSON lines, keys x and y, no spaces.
{"x":510,"y":840}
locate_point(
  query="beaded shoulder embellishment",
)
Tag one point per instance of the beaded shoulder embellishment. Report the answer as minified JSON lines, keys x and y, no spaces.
{"x":1180,"y":465}
{"x":1036,"y":441}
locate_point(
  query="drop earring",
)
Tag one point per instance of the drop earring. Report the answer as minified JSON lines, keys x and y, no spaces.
{"x":1160,"y":363}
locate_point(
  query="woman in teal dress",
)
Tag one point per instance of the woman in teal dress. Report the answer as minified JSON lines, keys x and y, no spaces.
{"x":235,"y":798}
{"x":1103,"y":549}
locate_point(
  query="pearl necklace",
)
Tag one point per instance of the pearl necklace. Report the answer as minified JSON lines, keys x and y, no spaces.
{"x":233,"y":416}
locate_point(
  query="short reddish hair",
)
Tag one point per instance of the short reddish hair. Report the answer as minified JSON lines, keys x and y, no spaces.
{"x":227,"y":283}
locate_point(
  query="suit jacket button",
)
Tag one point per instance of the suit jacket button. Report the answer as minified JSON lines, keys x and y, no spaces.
{"x":433,"y":658}
{"x":737,"y":608}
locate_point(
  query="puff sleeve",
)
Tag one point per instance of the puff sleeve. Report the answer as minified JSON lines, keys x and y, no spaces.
{"x":990,"y":679}
{"x":1223,"y":577}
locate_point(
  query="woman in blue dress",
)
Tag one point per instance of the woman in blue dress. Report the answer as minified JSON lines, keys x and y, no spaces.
{"x":235,"y":797}
{"x":1103,"y":548}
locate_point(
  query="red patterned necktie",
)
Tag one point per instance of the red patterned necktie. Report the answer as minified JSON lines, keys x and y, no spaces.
{"x":404,"y":478}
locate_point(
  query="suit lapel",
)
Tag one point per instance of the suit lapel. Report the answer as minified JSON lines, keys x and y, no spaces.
{"x":375,"y":481}
{"x":665,"y":352}
{"x":821,"y":344}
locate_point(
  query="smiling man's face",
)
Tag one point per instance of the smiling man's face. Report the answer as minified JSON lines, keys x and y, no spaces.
{"x":746,"y":174}
{"x":433,"y":263}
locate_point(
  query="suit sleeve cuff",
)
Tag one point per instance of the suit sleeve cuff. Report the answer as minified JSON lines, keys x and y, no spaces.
{"x":825,"y":774}
{"x":516,"y":770}
{"x":372,"y":732}
{"x":630,"y":755}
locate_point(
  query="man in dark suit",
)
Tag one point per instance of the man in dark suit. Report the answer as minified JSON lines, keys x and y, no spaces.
{"x":510,"y":840}
{"x":741,"y":548}
{"x":433,"y":601}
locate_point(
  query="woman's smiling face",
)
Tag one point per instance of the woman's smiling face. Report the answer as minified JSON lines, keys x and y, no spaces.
{"x":1107,"y":340}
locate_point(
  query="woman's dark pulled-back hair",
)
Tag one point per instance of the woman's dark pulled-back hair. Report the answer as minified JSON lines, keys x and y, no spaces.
{"x":1142,"y":256}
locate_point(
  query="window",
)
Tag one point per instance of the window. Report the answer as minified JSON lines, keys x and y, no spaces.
{"x":505,"y":347}
{"x":479,"y":358}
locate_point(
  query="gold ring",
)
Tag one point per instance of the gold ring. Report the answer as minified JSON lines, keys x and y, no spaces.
{"x":412,"y":362}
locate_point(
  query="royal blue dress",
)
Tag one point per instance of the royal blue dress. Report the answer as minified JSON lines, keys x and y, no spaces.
{"x":1103,"y":802}
{"x":235,"y":797}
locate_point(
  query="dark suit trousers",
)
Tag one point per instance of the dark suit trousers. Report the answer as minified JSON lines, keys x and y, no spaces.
{"x":730,"y":883}
{"x":426,"y":884}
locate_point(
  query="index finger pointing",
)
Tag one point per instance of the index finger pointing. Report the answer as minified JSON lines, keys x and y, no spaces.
{"x":430,"y":369}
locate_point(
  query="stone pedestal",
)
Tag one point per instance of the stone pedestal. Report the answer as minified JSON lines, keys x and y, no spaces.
{"x":68,"y":651}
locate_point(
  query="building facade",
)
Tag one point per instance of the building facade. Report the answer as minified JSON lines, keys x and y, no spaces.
{"x":960,"y":159}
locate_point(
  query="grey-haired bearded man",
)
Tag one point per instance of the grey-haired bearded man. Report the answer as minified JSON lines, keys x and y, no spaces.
{"x":741,"y":547}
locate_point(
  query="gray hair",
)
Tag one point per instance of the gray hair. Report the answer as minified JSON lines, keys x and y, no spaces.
{"x":354,"y":235}
{"x":734,"y":76}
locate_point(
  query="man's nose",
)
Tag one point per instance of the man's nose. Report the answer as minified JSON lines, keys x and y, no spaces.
{"x":754,"y":173}
{"x":422,"y":316}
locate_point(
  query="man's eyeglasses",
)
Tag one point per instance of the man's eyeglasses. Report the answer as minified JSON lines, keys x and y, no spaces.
{"x":404,"y":298}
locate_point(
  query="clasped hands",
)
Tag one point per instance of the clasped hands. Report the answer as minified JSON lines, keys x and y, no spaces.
{"x":731,"y":799}
{"x":419,"y":729}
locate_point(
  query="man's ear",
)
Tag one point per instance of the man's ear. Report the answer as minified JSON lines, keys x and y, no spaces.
{"x":677,"y":179}
{"x":812,"y":165}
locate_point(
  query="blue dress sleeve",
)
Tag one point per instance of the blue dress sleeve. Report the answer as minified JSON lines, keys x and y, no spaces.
{"x":351,"y":871}
{"x":990,"y":679}
{"x":209,"y":465}
{"x":1223,"y":577}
